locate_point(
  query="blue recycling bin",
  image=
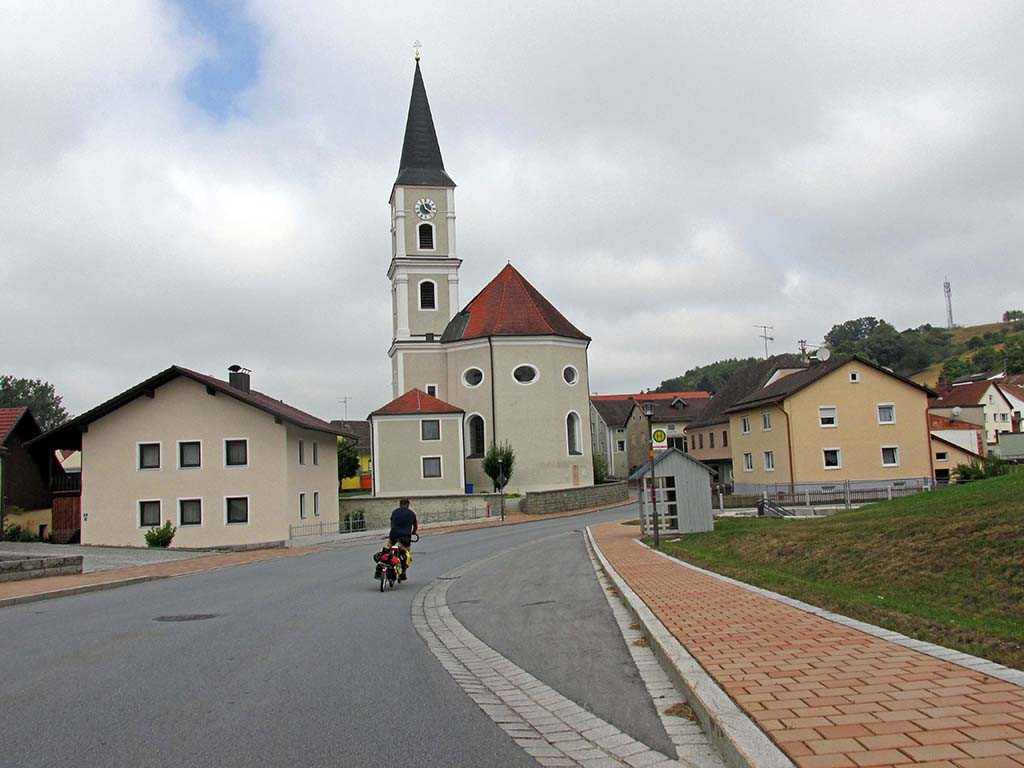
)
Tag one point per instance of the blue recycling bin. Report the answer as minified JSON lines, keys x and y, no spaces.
{"x":469,"y":487}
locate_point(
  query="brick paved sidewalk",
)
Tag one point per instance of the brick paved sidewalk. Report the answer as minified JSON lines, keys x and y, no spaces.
{"x":828,"y":695}
{"x":58,"y":586}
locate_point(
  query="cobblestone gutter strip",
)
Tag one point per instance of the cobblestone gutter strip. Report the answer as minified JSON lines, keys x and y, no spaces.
{"x":738,"y":739}
{"x":551,"y":728}
{"x":976,"y":663}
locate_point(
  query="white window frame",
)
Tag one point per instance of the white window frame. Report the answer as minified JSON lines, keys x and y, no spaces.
{"x":419,"y":290}
{"x":942,"y":455}
{"x":440,"y":463}
{"x":440,"y":434}
{"x":138,"y":456}
{"x":745,"y":425}
{"x":895,"y":448}
{"x":466,"y":384}
{"x":302,"y":452}
{"x":576,"y":372}
{"x":769,"y":461}
{"x":224,"y":456}
{"x":248,"y":508}
{"x":855,"y":377}
{"x":202,"y":512}
{"x":177,"y":453}
{"x":748,"y":462}
{"x":618,"y":443}
{"x":879,"y":408}
{"x":835,"y":417}
{"x":839,"y":458}
{"x":138,"y":513}
{"x":316,"y":503}
{"x":316,"y":454}
{"x":536,"y":378}
{"x":433,"y":237}
{"x":766,"y":416}
{"x":579,"y":433}
{"x":302,"y":506}
{"x":469,"y":437}
{"x":426,"y":388}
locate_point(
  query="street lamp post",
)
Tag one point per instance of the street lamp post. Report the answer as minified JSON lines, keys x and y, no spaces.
{"x":649,"y":413}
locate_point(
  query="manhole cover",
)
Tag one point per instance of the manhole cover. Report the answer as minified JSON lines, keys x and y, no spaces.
{"x":187,"y":617}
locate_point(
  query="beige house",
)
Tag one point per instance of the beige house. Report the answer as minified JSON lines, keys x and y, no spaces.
{"x":673,"y":412}
{"x":426,"y":428}
{"x":508,"y":360}
{"x":947,"y":455}
{"x":608,"y":417}
{"x":847,"y":420}
{"x":225,"y":464}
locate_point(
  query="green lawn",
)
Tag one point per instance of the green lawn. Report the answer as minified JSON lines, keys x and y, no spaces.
{"x":945,"y":566}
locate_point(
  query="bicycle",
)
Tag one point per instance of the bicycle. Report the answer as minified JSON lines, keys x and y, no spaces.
{"x":390,"y":564}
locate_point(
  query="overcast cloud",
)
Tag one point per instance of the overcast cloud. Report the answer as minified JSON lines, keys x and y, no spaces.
{"x":173,"y":190}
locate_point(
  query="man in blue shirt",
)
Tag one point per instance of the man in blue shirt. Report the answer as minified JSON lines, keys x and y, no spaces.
{"x":403,"y":526}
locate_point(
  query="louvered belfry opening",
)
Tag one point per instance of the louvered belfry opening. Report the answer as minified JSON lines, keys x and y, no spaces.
{"x":428,"y":299}
{"x":426,"y":233}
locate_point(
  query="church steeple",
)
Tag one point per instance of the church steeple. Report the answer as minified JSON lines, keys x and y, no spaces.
{"x":421,"y":163}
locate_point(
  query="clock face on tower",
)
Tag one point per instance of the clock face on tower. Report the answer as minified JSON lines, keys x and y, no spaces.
{"x":426,"y":208}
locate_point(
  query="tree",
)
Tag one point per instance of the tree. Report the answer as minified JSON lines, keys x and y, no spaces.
{"x":705,"y":378}
{"x":845,"y":338}
{"x":348,"y":459}
{"x":499,"y":460}
{"x":954,"y":368}
{"x":38,"y":396}
{"x":1013,"y":314}
{"x":600,"y":469}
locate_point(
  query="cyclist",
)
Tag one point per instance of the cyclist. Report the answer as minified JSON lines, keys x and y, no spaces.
{"x":403,"y":526}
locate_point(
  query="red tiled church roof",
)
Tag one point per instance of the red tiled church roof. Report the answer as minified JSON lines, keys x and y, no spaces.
{"x":510,"y":306}
{"x":9,"y":417}
{"x":416,"y":401}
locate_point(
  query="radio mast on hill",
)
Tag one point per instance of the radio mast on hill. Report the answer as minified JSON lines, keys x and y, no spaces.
{"x":949,"y":302}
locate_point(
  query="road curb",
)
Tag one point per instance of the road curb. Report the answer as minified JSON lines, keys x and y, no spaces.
{"x":738,"y":739}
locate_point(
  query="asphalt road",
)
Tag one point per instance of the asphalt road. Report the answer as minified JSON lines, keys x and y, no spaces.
{"x":304,"y":662}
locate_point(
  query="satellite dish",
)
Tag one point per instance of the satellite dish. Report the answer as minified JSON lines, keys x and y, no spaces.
{"x":823,"y":354}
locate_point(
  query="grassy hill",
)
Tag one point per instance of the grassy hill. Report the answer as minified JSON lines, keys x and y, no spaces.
{"x":963,"y":348}
{"x":945,"y":566}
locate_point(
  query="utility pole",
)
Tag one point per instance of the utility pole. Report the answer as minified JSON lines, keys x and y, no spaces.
{"x":344,"y":400}
{"x":766,"y":336}
{"x":947,"y":289}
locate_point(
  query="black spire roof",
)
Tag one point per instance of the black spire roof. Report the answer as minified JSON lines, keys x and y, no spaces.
{"x":421,"y":156}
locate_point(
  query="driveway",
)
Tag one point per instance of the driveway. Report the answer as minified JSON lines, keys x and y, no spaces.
{"x":99,"y":558}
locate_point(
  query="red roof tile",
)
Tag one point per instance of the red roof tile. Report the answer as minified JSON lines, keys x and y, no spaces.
{"x":8,"y":418}
{"x":416,"y":401}
{"x":963,"y":394}
{"x":510,"y":306}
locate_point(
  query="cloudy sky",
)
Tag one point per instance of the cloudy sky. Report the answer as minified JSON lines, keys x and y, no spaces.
{"x":205,"y":182}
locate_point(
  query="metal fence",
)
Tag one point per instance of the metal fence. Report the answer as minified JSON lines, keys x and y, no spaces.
{"x":844,"y":494}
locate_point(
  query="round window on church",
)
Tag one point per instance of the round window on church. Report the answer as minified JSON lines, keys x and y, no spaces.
{"x":525,"y":374}
{"x":472,"y":377}
{"x":571,"y":375}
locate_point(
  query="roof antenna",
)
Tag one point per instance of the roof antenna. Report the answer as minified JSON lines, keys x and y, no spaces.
{"x":417,"y":45}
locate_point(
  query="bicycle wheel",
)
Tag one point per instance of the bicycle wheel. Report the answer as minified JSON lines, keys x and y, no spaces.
{"x":383,"y":578}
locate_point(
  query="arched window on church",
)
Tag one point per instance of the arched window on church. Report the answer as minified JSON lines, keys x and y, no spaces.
{"x":572,"y":433}
{"x":477,"y":438}
{"x":426,"y":236}
{"x":428,"y":295}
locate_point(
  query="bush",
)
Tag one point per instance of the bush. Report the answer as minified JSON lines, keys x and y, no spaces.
{"x":600,"y":469}
{"x":499,"y":459}
{"x":14,"y":532}
{"x":162,"y":536}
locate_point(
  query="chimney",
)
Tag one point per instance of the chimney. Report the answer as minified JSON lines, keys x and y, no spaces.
{"x":238,"y":377}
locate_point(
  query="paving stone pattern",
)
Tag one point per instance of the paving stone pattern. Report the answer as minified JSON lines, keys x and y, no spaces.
{"x":829,"y":695}
{"x":554,"y":730}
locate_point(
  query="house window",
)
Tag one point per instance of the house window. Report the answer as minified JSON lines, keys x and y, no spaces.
{"x":700,"y":441}
{"x":671,"y":427}
{"x":832,"y":458}
{"x":748,"y":462}
{"x":942,"y":456}
{"x":745,"y":425}
{"x":570,"y":375}
{"x":472,"y":377}
{"x":431,"y":467}
{"x":725,"y":438}
{"x":432,"y":390}
{"x":302,"y":506}
{"x":828,"y":416}
{"x":525,"y":374}
{"x":149,"y":514}
{"x":711,"y":439}
{"x":426,"y":236}
{"x":236,"y":453}
{"x":886,"y":413}
{"x":428,"y":293}
{"x":430,"y":429}
{"x":572,"y":433}
{"x":316,"y":503}
{"x":620,"y":446}
{"x":190,"y":512}
{"x":190,"y":454}
{"x":766,"y":422}
{"x":854,"y":377}
{"x":890,"y":456}
{"x":316,"y":454}
{"x":769,"y":461}
{"x":477,"y":438}
{"x":302,"y":452}
{"x":149,"y":455}
{"x":236,"y":510}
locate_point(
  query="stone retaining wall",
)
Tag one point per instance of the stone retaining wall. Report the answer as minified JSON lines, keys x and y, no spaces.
{"x":376,"y":511}
{"x":570,"y":499}
{"x":18,"y":567}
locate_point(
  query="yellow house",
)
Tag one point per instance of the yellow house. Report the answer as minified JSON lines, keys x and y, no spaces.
{"x":363,"y":480}
{"x":846,"y":420}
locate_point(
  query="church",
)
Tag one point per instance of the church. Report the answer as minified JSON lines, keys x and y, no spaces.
{"x":507,"y":367}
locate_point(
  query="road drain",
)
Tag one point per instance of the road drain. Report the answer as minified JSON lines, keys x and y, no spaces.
{"x":187,"y":617}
